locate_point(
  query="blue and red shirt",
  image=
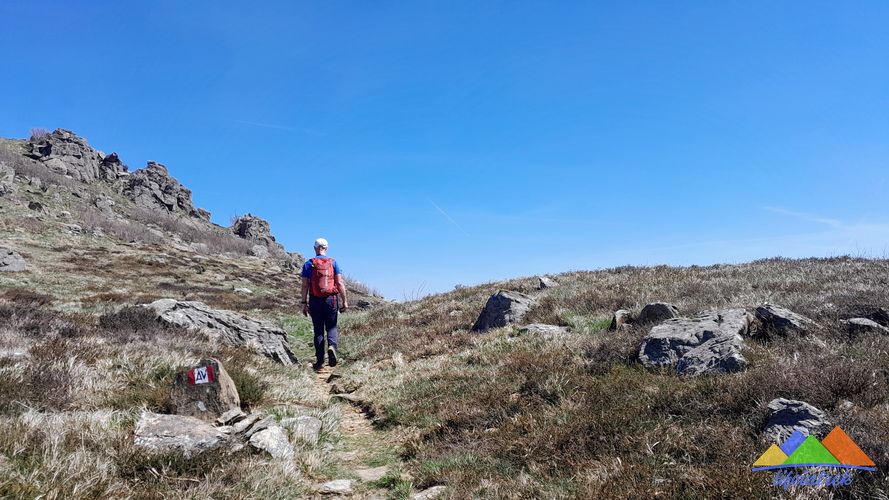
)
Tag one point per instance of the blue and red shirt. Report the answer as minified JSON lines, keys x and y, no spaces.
{"x":307,"y":267}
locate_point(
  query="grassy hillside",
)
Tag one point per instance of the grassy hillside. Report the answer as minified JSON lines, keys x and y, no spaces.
{"x":501,"y":414}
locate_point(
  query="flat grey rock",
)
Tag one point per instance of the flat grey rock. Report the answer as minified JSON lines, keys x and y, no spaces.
{"x":864,"y":325}
{"x":787,"y":415}
{"x":273,"y":441}
{"x":188,"y":435}
{"x":710,"y":343}
{"x":783,"y":322}
{"x":11,"y":261}
{"x":336,"y":487}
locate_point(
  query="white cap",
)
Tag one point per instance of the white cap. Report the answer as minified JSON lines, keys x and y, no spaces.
{"x":321,"y":242}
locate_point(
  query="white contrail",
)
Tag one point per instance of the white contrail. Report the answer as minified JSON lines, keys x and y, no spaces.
{"x":448,"y":217}
{"x":804,"y":216}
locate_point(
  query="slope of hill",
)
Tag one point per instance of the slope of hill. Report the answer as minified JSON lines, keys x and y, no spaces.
{"x":566,"y":410}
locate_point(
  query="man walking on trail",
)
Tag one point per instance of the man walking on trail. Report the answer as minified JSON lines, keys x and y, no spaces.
{"x":322,"y":287}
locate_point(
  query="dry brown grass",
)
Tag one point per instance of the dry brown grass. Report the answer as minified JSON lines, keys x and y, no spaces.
{"x":501,"y":415}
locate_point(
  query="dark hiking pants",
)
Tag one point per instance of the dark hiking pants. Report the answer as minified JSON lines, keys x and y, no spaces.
{"x":324,"y":315}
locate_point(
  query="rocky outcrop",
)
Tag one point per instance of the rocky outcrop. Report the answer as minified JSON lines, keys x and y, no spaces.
{"x":709,"y":343}
{"x":782,"y":322}
{"x":256,"y":229}
{"x":657,"y":312}
{"x":165,"y":433}
{"x":153,"y":188}
{"x":863,"y":325}
{"x":786,"y":416}
{"x":11,"y":261}
{"x":229,"y":327}
{"x":205,"y":392}
{"x":503,"y":308}
{"x":65,"y":153}
{"x":7,"y":178}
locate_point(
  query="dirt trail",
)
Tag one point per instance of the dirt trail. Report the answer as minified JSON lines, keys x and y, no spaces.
{"x":356,"y":456}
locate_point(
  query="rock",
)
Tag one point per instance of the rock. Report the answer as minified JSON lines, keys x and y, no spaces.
{"x":780,"y":321}
{"x":709,"y":343}
{"x":188,"y":435}
{"x":244,"y":291}
{"x":65,"y":153}
{"x":104,"y":203}
{"x":230,"y":327}
{"x":503,"y":308}
{"x":657,"y":312}
{"x":293,"y":261}
{"x":259,"y":251}
{"x":430,"y":493}
{"x":35,"y":206}
{"x":337,"y":487}
{"x":368,"y":475}
{"x":205,"y":391}
{"x":11,"y":261}
{"x":7,"y":179}
{"x":785,"y":416}
{"x":865,"y":326}
{"x":246,"y":424}
{"x":64,"y":214}
{"x":258,"y":426}
{"x":72,"y":228}
{"x":111,"y":168}
{"x":253,"y":228}
{"x":620,"y":319}
{"x":153,"y":188}
{"x":544,"y":282}
{"x":273,"y":441}
{"x":545,"y":331}
{"x":231,"y":416}
{"x":304,"y":427}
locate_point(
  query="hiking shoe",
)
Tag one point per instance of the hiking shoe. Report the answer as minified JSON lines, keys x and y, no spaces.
{"x":318,"y":366}
{"x":331,"y":356}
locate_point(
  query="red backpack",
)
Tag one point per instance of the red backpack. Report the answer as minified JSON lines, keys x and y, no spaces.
{"x":323,"y":279}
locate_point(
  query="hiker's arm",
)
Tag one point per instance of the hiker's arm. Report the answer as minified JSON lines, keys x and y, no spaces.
{"x":341,"y":286}
{"x":304,"y":296}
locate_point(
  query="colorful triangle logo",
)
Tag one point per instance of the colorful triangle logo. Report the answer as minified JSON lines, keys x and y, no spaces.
{"x":837,"y":449}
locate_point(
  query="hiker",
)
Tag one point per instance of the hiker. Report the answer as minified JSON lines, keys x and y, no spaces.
{"x":322,"y":288}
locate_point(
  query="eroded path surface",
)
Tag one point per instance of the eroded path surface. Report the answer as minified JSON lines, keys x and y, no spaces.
{"x":361,"y":456}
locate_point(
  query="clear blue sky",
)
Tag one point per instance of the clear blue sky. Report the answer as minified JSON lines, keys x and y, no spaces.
{"x":437,"y":143}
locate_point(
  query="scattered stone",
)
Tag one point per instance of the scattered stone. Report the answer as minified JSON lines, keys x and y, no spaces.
{"x":864,"y":326}
{"x":545,"y":331}
{"x":11,"y":261}
{"x":244,"y":291}
{"x":780,"y":321}
{"x":304,"y":427}
{"x":64,"y":214}
{"x":369,"y":475}
{"x":503,"y":308}
{"x":230,"y":417}
{"x":205,"y":391}
{"x":709,"y":343}
{"x":273,"y":441}
{"x":73,"y":228}
{"x":787,"y":416}
{"x":230,"y":327}
{"x":35,"y":206}
{"x":188,"y":435}
{"x":620,"y":319}
{"x":657,"y":312}
{"x":337,"y":487}
{"x":544,"y":282}
{"x":430,"y":493}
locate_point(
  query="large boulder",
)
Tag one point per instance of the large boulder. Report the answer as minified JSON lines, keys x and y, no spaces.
{"x":65,"y":153}
{"x":785,"y":416}
{"x":227,"y":326}
{"x":11,"y":261}
{"x":657,"y":312}
{"x":256,"y":229}
{"x":777,"y":320}
{"x":153,"y":188}
{"x":205,"y":391}
{"x":177,"y":433}
{"x":709,"y":343}
{"x":503,"y":308}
